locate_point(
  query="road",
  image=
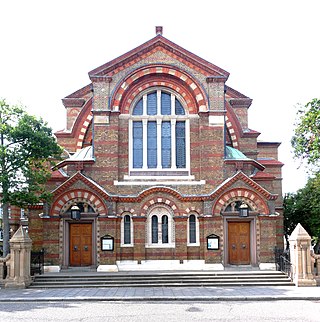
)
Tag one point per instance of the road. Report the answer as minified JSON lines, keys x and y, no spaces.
{"x":162,"y":311}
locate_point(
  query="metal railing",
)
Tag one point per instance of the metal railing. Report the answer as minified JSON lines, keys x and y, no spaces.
{"x":282,"y":260}
{"x":37,"y":262}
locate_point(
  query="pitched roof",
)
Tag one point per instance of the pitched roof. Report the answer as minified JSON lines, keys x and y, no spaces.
{"x":159,"y":41}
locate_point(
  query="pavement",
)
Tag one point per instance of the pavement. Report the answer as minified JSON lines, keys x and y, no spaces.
{"x":194,"y":294}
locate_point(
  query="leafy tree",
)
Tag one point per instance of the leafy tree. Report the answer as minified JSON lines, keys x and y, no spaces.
{"x":306,"y":139}
{"x":304,"y":207}
{"x":27,"y":148}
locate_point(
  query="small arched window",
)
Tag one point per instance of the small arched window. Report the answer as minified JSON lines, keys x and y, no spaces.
{"x":165,"y":237}
{"x":127,"y":229}
{"x":154,"y":229}
{"x":160,"y":228}
{"x":192,"y":229}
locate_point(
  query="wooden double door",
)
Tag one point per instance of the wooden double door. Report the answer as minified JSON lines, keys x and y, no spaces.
{"x":80,"y":244}
{"x":239,"y":243}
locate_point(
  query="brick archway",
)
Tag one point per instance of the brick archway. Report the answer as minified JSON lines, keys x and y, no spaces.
{"x":165,"y":76}
{"x":246,"y":195}
{"x":78,"y":195}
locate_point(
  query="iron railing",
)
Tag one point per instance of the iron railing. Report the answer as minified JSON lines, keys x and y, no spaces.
{"x":37,"y":262}
{"x":282,"y":260}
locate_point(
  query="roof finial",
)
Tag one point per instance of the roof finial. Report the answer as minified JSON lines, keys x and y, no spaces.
{"x":159,"y":30}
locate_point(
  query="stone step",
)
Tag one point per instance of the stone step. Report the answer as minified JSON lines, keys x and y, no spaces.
{"x":161,"y":280}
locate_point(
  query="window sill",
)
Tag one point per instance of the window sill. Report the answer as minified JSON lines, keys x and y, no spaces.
{"x":193,"y":245}
{"x":126,"y":245}
{"x":151,"y":181}
{"x":160,"y":246}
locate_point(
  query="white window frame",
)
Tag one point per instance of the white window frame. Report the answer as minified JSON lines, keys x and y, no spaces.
{"x":160,"y":211}
{"x":159,"y":118}
{"x":122,"y":244}
{"x":197,"y":243}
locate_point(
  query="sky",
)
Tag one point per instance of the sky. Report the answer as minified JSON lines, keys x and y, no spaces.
{"x":270,"y":48}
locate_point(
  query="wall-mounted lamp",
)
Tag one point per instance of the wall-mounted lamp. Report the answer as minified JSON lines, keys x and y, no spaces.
{"x":75,"y":212}
{"x":243,"y":210}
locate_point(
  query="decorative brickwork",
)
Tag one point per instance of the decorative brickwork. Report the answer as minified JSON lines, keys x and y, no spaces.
{"x":159,"y":198}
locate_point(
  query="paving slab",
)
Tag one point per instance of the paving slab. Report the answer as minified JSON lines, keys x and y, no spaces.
{"x":270,"y":293}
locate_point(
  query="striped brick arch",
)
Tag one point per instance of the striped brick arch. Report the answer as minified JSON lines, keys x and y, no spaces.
{"x":151,"y":203}
{"x":233,"y":134}
{"x":83,"y":130}
{"x":177,"y":80}
{"x":256,"y":203}
{"x":65,"y":200}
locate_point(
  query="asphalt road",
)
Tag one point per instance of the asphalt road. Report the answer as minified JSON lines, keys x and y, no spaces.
{"x":302,"y":311}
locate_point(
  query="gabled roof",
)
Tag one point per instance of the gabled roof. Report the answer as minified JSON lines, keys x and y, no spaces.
{"x":159,"y":41}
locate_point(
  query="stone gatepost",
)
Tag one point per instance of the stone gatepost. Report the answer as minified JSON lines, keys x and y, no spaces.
{"x":300,"y":243}
{"x":19,"y":263}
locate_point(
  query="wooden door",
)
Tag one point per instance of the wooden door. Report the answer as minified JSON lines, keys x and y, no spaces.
{"x":239,"y":243}
{"x":80,"y":244}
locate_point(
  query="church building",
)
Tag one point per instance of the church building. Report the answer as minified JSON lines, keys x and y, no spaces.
{"x":160,"y":171}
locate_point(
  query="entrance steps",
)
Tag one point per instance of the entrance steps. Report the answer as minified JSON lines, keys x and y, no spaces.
{"x":78,"y":279}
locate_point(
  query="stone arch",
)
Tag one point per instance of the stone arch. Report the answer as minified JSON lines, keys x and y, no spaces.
{"x":63,"y":202}
{"x":169,"y":76}
{"x":250,"y":197}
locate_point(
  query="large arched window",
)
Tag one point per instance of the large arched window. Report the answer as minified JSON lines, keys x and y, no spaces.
{"x":160,"y":228}
{"x":159,"y":135}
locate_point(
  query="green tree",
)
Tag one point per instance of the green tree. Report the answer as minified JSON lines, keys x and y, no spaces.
{"x":27,"y":149}
{"x":304,"y":207}
{"x":306,"y":139}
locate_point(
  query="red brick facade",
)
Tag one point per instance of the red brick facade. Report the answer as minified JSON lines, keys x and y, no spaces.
{"x":121,"y":201}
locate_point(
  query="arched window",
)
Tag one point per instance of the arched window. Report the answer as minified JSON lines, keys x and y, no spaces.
{"x":164,"y":229}
{"x":126,"y":231}
{"x":154,"y":229}
{"x":160,"y":228}
{"x":159,"y":135}
{"x":193,"y":231}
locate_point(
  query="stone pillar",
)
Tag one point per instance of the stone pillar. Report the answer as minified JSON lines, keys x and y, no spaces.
{"x":19,"y":263}
{"x":300,"y":256}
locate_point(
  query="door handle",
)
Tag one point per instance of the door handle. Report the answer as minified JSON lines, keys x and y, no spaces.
{"x":233,"y":246}
{"x":244,"y":246}
{"x":75,"y":248}
{"x":86,"y":248}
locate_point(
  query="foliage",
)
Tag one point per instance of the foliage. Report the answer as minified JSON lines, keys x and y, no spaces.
{"x":27,"y":149}
{"x":306,"y":139}
{"x":304,"y":207}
